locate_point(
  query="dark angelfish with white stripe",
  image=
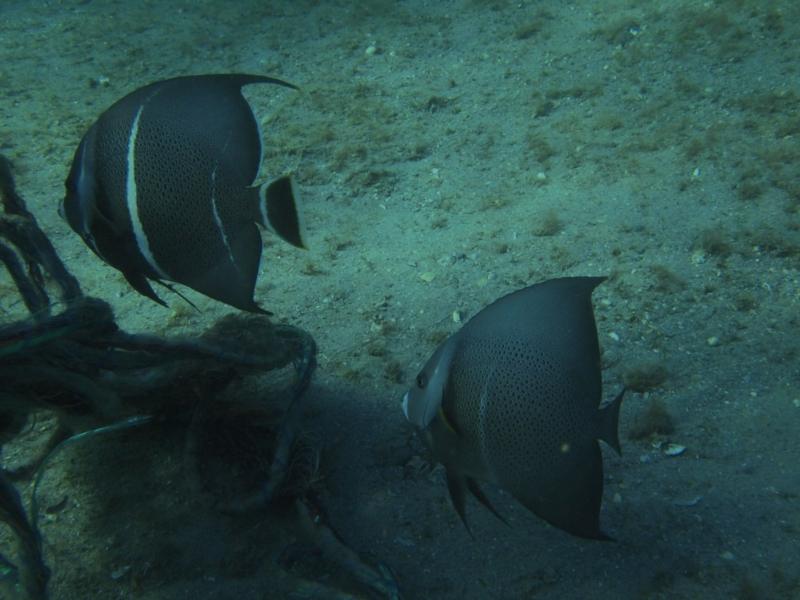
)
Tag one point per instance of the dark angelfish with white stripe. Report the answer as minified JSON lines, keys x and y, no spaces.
{"x":162,"y":188}
{"x":513,"y":398}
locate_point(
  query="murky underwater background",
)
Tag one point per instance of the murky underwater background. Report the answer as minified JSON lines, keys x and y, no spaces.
{"x":448,"y":153}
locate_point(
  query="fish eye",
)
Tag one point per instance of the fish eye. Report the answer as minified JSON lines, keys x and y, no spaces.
{"x":422,"y":381}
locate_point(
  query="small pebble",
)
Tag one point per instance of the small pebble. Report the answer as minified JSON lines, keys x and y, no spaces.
{"x":674,"y":449}
{"x":690,"y":502}
{"x":404,"y":541}
{"x":57,"y":506}
{"x":119,"y":573}
{"x":101,"y":81}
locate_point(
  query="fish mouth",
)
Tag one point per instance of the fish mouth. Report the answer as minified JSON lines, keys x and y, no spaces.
{"x":405,"y":405}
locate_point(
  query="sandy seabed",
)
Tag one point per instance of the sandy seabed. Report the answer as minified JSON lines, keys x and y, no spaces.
{"x":448,"y":153}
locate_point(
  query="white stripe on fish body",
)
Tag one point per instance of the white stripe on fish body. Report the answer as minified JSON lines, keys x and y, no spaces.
{"x":86,"y":199}
{"x":431,"y":399}
{"x":262,"y":207}
{"x":260,"y":147}
{"x":132,"y":200}
{"x":218,"y":219}
{"x":215,"y":212}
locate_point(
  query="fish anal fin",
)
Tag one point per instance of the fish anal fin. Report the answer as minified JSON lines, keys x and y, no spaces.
{"x":609,"y":423}
{"x":231,"y":275}
{"x":481,"y":497}
{"x":570,"y":497}
{"x":458,"y":496}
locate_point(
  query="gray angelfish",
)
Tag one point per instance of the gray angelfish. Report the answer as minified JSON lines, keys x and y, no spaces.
{"x":161,"y":188}
{"x":513,"y":398}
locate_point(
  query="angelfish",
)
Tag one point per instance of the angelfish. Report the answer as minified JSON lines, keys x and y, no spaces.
{"x":513,"y":398}
{"x":161,"y":188}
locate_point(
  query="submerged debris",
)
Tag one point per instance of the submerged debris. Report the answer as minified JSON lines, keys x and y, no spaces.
{"x":32,"y":574}
{"x":644,"y":376}
{"x":99,"y":379}
{"x":654,"y":420}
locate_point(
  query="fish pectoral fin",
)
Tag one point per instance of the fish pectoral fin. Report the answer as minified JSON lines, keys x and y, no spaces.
{"x":104,"y":218}
{"x":99,"y":213}
{"x":447,"y":421}
{"x":280,"y":210}
{"x":481,"y":497}
{"x":458,"y":496}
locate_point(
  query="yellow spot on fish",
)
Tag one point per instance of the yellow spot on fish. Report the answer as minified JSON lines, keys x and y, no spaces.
{"x":445,"y":420}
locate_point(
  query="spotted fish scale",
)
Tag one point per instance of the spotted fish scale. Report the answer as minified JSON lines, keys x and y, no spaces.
{"x":514,"y":399}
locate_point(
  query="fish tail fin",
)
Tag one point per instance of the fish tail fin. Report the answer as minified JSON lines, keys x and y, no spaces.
{"x":458,"y":496}
{"x":481,"y":497}
{"x":279,"y":212}
{"x":609,"y":422}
